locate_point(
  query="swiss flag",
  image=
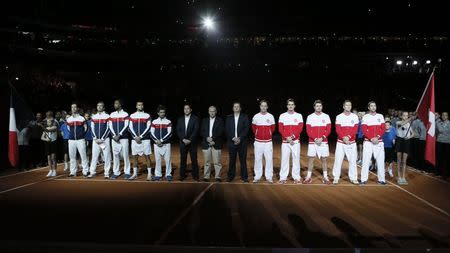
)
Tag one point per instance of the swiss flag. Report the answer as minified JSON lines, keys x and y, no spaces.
{"x":13,"y":147}
{"x":426,"y":112}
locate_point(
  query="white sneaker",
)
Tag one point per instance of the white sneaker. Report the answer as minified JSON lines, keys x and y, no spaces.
{"x":53,"y":173}
{"x":335,"y":181}
{"x":49,"y":173}
{"x":91,"y":175}
{"x":255,"y":180}
{"x":133,"y":177}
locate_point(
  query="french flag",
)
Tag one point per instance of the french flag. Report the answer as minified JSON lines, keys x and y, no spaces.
{"x":13,"y":147}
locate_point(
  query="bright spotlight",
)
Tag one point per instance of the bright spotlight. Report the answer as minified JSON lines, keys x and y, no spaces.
{"x":428,"y":62}
{"x":399,"y":62}
{"x":208,"y":23}
{"x":414,"y":63}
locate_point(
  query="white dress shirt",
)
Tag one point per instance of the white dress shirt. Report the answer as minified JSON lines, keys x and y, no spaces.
{"x":211,"y":124}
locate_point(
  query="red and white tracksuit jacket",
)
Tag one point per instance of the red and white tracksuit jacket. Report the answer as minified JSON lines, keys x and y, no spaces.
{"x":373,"y":126}
{"x":318,"y":126}
{"x":290,"y":125}
{"x":346,"y":126}
{"x":263,"y":125}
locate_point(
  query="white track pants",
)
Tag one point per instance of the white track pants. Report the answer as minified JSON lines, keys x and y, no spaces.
{"x":96,"y":151}
{"x":349,"y":151}
{"x":288,"y":150}
{"x":163,"y":151}
{"x":377,"y":151}
{"x":122,"y":146}
{"x":79,"y":145}
{"x":263,"y":149}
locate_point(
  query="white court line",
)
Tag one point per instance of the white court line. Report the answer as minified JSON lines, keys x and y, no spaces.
{"x":26,"y":185}
{"x":182,"y":215}
{"x":221,"y":183}
{"x":23,"y":172}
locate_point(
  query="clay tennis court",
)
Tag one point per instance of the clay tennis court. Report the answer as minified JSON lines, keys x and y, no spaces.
{"x":62,"y":213}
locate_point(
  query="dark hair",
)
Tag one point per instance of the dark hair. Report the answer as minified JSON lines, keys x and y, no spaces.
{"x":388,"y":121}
{"x":237,"y":102}
{"x":212,"y":106}
{"x":318,"y":101}
{"x":160,"y":107}
{"x":371,"y":102}
{"x":290,"y":100}
{"x":188,"y":104}
{"x":263,"y":101}
{"x":101,"y":102}
{"x":119,"y":100}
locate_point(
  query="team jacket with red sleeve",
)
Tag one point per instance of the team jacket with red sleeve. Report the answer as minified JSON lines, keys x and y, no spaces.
{"x":318,"y":126}
{"x":346,"y":125}
{"x":263,"y":126}
{"x":373,"y":126}
{"x":290,"y":125}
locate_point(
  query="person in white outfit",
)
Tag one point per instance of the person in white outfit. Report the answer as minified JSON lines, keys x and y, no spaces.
{"x":160,"y":132}
{"x":373,"y":128}
{"x":290,"y":126}
{"x":77,"y":130}
{"x":263,"y":126}
{"x":118,"y":124}
{"x":346,"y":130}
{"x":318,"y":127}
{"x":101,"y":143}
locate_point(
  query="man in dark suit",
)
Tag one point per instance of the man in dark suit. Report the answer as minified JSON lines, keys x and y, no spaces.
{"x":187,"y":131}
{"x":237,"y":126}
{"x":211,"y":133}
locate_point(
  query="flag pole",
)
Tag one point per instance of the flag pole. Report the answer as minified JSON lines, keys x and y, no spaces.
{"x":425,"y":90}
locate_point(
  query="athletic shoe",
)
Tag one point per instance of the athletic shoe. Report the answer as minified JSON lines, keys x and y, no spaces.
{"x":282,"y":182}
{"x":49,"y":174}
{"x":106,"y":176}
{"x":127,"y":176}
{"x":363,"y":183}
{"x":133,"y":177}
{"x":53,"y":173}
{"x":307,"y":180}
{"x":355,"y":182}
{"x":114,"y":177}
{"x":399,"y":181}
{"x":85,"y":174}
{"x":72,"y":175}
{"x":381,"y":182}
{"x":255,"y":181}
{"x":92,"y":175}
{"x":335,"y":181}
{"x":169,"y":178}
{"x":299,"y":181}
{"x":326,"y":181}
{"x":155,"y":178}
{"x":149,"y":177}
